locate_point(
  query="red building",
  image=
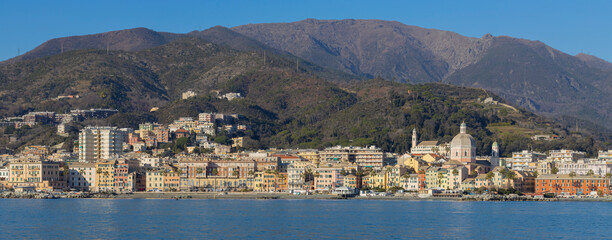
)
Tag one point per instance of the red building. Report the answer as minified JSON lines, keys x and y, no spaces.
{"x":181,"y":133}
{"x":564,"y":184}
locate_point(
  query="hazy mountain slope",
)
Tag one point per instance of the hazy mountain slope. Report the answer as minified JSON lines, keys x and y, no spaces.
{"x":372,"y":47}
{"x":128,"y":40}
{"x":594,"y":62}
{"x":540,"y":78}
{"x":527,"y":73}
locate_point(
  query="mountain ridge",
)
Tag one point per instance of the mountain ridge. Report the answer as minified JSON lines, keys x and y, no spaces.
{"x":562,"y":85}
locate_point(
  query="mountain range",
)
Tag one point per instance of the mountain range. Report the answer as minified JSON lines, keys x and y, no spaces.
{"x":573,"y":89}
{"x":317,"y":83}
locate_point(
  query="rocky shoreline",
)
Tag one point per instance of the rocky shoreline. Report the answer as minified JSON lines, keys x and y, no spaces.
{"x":272,"y":196}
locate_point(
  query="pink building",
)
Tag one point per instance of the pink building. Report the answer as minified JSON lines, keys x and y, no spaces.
{"x":328,"y":178}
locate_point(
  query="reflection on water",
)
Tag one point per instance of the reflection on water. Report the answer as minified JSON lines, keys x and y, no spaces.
{"x":301,"y":219}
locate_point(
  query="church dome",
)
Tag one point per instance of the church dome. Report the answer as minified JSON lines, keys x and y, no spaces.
{"x":463,"y":140}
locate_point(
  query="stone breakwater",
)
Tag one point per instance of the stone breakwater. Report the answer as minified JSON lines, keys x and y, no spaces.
{"x":504,"y":198}
{"x":28,"y":195}
{"x":54,"y":195}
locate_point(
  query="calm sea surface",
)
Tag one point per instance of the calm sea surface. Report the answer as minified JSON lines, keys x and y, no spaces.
{"x":301,"y":219}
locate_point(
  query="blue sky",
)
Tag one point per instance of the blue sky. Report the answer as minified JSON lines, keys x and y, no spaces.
{"x":570,"y":26}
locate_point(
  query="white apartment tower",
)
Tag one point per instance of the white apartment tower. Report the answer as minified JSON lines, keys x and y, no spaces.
{"x":99,"y":143}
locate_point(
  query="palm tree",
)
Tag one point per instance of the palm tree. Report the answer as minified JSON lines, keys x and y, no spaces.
{"x":554,"y":170}
{"x":440,"y":177}
{"x":490,"y":176}
{"x":590,"y":172}
{"x":572,"y":175}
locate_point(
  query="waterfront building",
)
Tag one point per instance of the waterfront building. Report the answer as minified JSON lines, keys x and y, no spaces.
{"x":82,"y":176}
{"x":100,"y":143}
{"x":265,"y":182}
{"x":40,"y":174}
{"x":300,"y":176}
{"x":155,"y":180}
{"x":501,"y":177}
{"x":172,"y":179}
{"x":412,"y":182}
{"x":565,"y":184}
{"x":328,"y":178}
{"x":352,"y":181}
{"x":468,"y":184}
{"x":4,"y":171}
{"x":447,"y":177}
{"x":105,"y":176}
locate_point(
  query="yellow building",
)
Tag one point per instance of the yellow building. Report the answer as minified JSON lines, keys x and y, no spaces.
{"x":155,"y":181}
{"x":430,"y":158}
{"x":265,"y":182}
{"x":42,"y":175}
{"x":415,"y":163}
{"x":311,"y":156}
{"x":105,"y":176}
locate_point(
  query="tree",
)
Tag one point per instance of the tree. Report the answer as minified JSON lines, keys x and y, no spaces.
{"x":490,"y":175}
{"x":223,"y":140}
{"x":590,"y":172}
{"x":511,"y":175}
{"x":440,"y":177}
{"x":554,"y":170}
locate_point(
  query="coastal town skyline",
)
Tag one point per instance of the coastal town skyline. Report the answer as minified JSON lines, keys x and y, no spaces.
{"x":305,"y":120}
{"x":188,"y":156}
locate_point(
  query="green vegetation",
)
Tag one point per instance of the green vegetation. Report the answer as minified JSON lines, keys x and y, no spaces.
{"x":284,"y":107}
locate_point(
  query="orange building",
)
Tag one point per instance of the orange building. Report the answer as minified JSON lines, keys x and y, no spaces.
{"x":564,"y":184}
{"x":172,"y":181}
